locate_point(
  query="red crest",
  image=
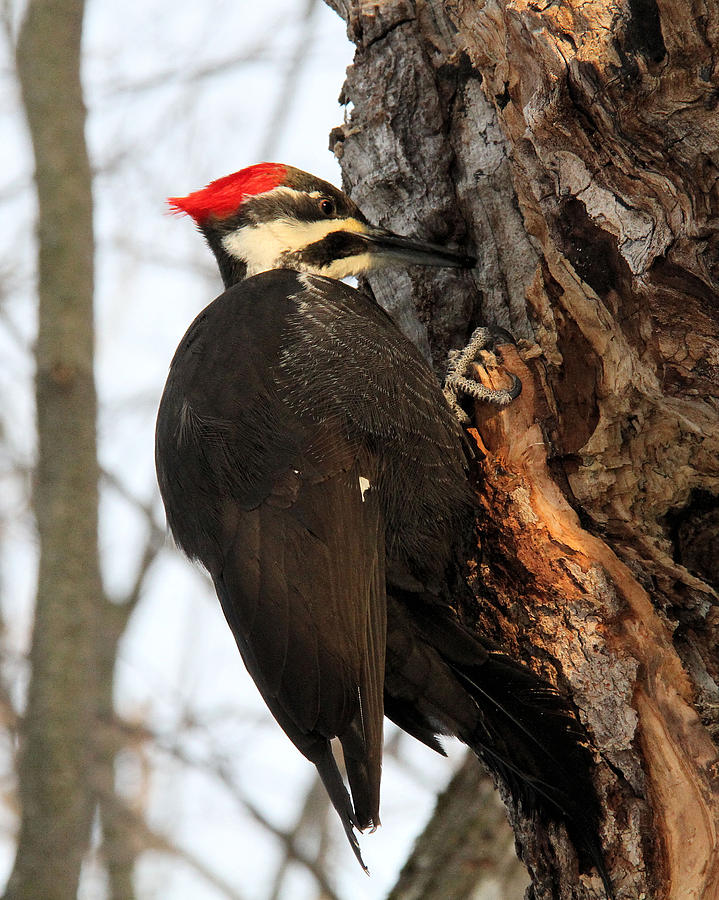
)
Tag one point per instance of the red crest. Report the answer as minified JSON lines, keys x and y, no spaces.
{"x":224,"y":196}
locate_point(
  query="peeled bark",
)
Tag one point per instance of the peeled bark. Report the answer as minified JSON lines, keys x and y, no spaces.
{"x":573,"y":148}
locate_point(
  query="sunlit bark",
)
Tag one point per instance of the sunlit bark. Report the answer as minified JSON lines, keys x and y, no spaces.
{"x":572,"y":146}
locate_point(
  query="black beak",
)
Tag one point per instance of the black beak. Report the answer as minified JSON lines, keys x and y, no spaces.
{"x":393,"y":248}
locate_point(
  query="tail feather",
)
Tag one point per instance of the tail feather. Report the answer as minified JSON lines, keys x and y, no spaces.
{"x":334,"y":785}
{"x":442,"y":679}
{"x":363,"y":764}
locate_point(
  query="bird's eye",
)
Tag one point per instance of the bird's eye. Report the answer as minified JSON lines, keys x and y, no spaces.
{"x":327,"y":206}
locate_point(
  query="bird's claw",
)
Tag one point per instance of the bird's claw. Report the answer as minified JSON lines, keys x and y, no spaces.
{"x":459,"y":365}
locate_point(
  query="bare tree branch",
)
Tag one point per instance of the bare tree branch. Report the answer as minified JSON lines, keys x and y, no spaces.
{"x":290,"y":84}
{"x":149,"y":838}
{"x":220,"y":770}
{"x":181,"y":76}
{"x":312,"y":815}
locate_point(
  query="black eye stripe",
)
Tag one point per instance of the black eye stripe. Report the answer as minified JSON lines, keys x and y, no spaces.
{"x":336,"y":245}
{"x":300,"y":207}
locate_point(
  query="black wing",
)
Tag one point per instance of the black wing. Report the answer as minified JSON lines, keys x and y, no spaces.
{"x":299,"y":435}
{"x":344,"y":359}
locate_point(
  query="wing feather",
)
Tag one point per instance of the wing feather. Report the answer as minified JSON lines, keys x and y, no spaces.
{"x":304,"y":427}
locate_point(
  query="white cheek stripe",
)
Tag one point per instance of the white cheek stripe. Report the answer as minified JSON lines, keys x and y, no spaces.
{"x":261,"y":246}
{"x":350,"y":265}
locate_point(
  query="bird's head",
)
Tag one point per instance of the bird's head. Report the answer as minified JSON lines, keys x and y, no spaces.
{"x":272,"y":216}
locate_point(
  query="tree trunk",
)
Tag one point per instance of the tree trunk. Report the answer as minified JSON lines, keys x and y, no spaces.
{"x":467,"y":849}
{"x":55,"y":784}
{"x":573,"y":147}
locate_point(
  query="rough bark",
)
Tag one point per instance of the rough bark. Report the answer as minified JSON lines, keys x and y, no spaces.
{"x":55,"y":787}
{"x":467,"y":849}
{"x":572,"y":146}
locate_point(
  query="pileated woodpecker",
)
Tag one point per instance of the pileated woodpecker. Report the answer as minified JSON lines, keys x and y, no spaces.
{"x":308,"y":459}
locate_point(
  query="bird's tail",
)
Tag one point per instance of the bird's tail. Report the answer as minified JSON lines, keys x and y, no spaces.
{"x":321,"y":755}
{"x":442,"y":679}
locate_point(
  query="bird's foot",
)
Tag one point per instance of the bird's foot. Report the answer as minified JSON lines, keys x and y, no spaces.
{"x":456,"y":382}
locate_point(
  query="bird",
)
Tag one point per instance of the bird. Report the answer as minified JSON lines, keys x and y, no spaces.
{"x":308,"y":458}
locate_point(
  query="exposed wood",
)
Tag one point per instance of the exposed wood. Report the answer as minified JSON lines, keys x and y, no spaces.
{"x":614,"y":650}
{"x":572,"y":146}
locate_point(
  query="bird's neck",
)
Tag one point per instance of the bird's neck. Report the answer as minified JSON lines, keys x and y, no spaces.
{"x":232,"y":269}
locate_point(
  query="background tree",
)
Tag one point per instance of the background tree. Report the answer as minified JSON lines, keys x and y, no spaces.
{"x":574,"y":145}
{"x":160,"y":741}
{"x":55,"y":787}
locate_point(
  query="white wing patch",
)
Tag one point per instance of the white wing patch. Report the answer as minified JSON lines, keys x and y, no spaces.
{"x":364,"y":485}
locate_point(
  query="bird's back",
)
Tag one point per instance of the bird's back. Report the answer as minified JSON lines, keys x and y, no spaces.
{"x":285,"y":365}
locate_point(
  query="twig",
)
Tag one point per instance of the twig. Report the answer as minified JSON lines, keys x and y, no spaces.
{"x":220,"y":770}
{"x":155,"y":840}
{"x":290,"y":85}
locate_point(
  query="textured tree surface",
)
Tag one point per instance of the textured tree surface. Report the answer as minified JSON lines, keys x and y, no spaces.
{"x":573,"y":147}
{"x":467,"y":849}
{"x":68,"y":747}
{"x":56,"y":754}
